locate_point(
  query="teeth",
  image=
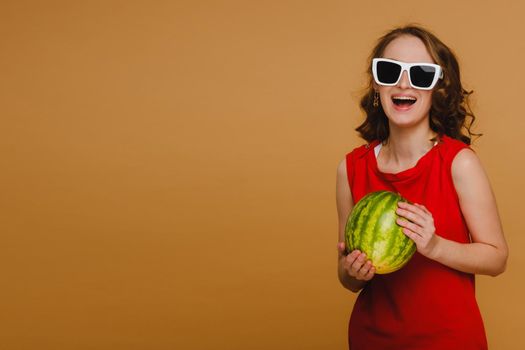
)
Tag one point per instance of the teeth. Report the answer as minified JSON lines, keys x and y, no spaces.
{"x":408,"y":98}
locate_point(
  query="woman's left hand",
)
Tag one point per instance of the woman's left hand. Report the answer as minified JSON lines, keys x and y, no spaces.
{"x":418,"y":224}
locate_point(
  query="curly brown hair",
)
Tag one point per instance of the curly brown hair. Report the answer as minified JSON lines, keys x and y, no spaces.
{"x":450,"y":113}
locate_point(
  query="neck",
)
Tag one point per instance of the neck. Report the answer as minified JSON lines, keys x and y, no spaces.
{"x":404,"y":146}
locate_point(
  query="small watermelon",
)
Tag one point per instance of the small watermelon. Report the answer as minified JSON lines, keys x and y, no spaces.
{"x":372,"y":229}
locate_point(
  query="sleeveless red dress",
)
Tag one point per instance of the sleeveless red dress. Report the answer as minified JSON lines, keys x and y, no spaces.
{"x":424,"y":305}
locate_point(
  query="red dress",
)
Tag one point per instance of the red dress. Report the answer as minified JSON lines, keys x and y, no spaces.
{"x":424,"y":305}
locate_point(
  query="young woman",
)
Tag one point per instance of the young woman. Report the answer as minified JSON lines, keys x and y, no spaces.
{"x":416,"y":115}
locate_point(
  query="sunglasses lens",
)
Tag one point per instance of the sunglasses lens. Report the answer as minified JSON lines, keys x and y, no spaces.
{"x":388,"y":72}
{"x":422,"y":76}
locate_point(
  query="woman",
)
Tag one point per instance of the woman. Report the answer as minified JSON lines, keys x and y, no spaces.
{"x":416,"y":110}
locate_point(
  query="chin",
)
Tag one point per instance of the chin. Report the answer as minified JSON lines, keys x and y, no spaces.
{"x":405,"y":119}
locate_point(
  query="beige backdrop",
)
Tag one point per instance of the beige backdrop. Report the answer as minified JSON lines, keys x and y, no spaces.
{"x":168,"y":167}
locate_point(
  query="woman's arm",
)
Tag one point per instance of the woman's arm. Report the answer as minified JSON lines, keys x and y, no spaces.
{"x":487,"y":254}
{"x":353,"y":269}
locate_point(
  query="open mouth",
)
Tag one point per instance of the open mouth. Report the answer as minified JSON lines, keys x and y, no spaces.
{"x":404,"y":101}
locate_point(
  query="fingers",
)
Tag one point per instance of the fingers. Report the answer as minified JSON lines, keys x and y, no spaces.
{"x":368,"y":272}
{"x":409,"y":226}
{"x":416,"y":213}
{"x":358,"y":262}
{"x":355,"y":263}
{"x":418,"y":224}
{"x":358,"y":266}
{"x":422,"y":207}
{"x":412,"y":235}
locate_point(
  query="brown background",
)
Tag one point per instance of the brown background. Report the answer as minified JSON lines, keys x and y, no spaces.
{"x":168,"y":167}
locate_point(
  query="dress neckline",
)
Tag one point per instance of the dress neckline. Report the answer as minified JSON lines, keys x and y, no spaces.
{"x":407,"y":173}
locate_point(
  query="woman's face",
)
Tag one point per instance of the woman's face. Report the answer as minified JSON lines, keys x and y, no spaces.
{"x":407,"y":49}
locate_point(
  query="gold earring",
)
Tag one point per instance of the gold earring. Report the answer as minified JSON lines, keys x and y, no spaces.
{"x":376,"y":99}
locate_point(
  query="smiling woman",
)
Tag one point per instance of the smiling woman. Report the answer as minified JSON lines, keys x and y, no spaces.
{"x":449,"y":110}
{"x":416,"y":111}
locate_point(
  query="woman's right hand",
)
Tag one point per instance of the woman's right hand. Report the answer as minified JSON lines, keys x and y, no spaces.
{"x":356,"y":264}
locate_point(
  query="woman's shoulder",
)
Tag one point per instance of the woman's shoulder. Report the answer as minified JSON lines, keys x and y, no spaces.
{"x":450,"y":148}
{"x":462,"y":159}
{"x":464,"y":162}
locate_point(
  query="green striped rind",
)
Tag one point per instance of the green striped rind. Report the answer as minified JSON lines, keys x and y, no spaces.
{"x":372,"y":229}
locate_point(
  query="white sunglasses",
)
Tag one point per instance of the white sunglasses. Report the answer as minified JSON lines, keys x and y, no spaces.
{"x":422,"y":76}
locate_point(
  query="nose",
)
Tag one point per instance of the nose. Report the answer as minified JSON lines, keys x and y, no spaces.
{"x":404,"y":83}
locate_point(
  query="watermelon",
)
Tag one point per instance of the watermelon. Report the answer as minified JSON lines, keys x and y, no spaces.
{"x":372,"y":229}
